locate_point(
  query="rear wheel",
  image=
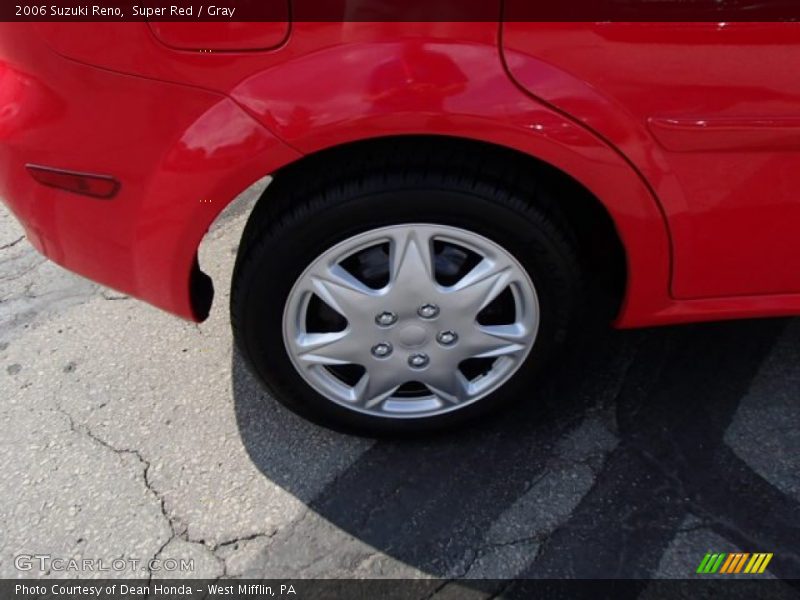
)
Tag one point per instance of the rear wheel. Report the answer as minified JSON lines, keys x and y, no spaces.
{"x":401,"y":302}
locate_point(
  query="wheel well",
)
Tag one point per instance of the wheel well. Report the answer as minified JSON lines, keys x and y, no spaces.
{"x":600,"y":249}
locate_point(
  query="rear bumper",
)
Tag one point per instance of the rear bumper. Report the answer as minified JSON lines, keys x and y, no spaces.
{"x":180,"y":153}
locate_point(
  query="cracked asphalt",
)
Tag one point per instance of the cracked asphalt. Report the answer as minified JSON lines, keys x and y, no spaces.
{"x":128,"y":433}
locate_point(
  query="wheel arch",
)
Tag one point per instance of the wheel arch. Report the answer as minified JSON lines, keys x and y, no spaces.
{"x":458,"y":90}
{"x":578,"y":209}
{"x":610,"y":207}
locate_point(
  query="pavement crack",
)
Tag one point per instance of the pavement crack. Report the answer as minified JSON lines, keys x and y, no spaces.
{"x":488,"y":547}
{"x":107,"y":295}
{"x":156,"y":555}
{"x":12,"y":244}
{"x":245,"y":538}
{"x":233,"y":542}
{"x":84,"y":430}
{"x":24,"y":271}
{"x":176,"y":532}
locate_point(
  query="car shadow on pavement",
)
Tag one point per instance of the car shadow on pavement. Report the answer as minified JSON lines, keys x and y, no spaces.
{"x":665,"y":397}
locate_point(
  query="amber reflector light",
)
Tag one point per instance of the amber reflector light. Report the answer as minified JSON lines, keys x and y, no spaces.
{"x":97,"y":186}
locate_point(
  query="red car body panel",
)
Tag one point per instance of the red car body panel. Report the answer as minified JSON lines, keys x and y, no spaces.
{"x":222,"y":37}
{"x":186,"y":131}
{"x":176,"y":151}
{"x":708,"y":113}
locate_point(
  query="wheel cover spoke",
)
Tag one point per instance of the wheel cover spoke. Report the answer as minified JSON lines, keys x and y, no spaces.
{"x":495,"y":340}
{"x":411,"y":365}
{"x":411,"y":258}
{"x":482,"y":285}
{"x":449,"y":385}
{"x":375,"y":386}
{"x":341,"y":291}
{"x":338,"y":348}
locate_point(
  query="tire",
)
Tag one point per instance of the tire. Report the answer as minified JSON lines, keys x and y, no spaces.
{"x":480,"y":214}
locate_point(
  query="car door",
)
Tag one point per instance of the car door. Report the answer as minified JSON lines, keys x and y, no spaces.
{"x":709,"y":113}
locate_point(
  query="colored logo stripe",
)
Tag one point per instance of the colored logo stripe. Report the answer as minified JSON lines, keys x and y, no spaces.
{"x":734,"y":563}
{"x":710,"y":563}
{"x":728,"y":562}
{"x":758,"y":563}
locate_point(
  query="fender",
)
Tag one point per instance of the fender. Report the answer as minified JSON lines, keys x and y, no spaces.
{"x":218,"y":156}
{"x":356,"y":91}
{"x":599,"y":113}
{"x":712,"y":130}
{"x":180,"y":153}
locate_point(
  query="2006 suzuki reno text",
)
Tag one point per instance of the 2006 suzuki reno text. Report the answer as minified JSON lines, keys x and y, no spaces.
{"x":444,"y":196}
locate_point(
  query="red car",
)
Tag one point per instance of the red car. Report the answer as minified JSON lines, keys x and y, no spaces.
{"x":445,"y":196}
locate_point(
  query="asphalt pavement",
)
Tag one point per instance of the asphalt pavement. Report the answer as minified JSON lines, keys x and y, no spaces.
{"x":128,"y":433}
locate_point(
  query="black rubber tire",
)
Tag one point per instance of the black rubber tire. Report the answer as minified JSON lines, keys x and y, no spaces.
{"x":300,"y":217}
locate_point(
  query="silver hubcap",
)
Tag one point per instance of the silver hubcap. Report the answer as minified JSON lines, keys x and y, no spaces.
{"x":450,"y":320}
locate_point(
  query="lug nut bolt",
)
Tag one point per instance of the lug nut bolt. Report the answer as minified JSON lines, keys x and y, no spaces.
{"x":382,"y":350}
{"x":447,"y":338}
{"x":386,"y":318}
{"x":418,"y":361}
{"x":428,"y":311}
